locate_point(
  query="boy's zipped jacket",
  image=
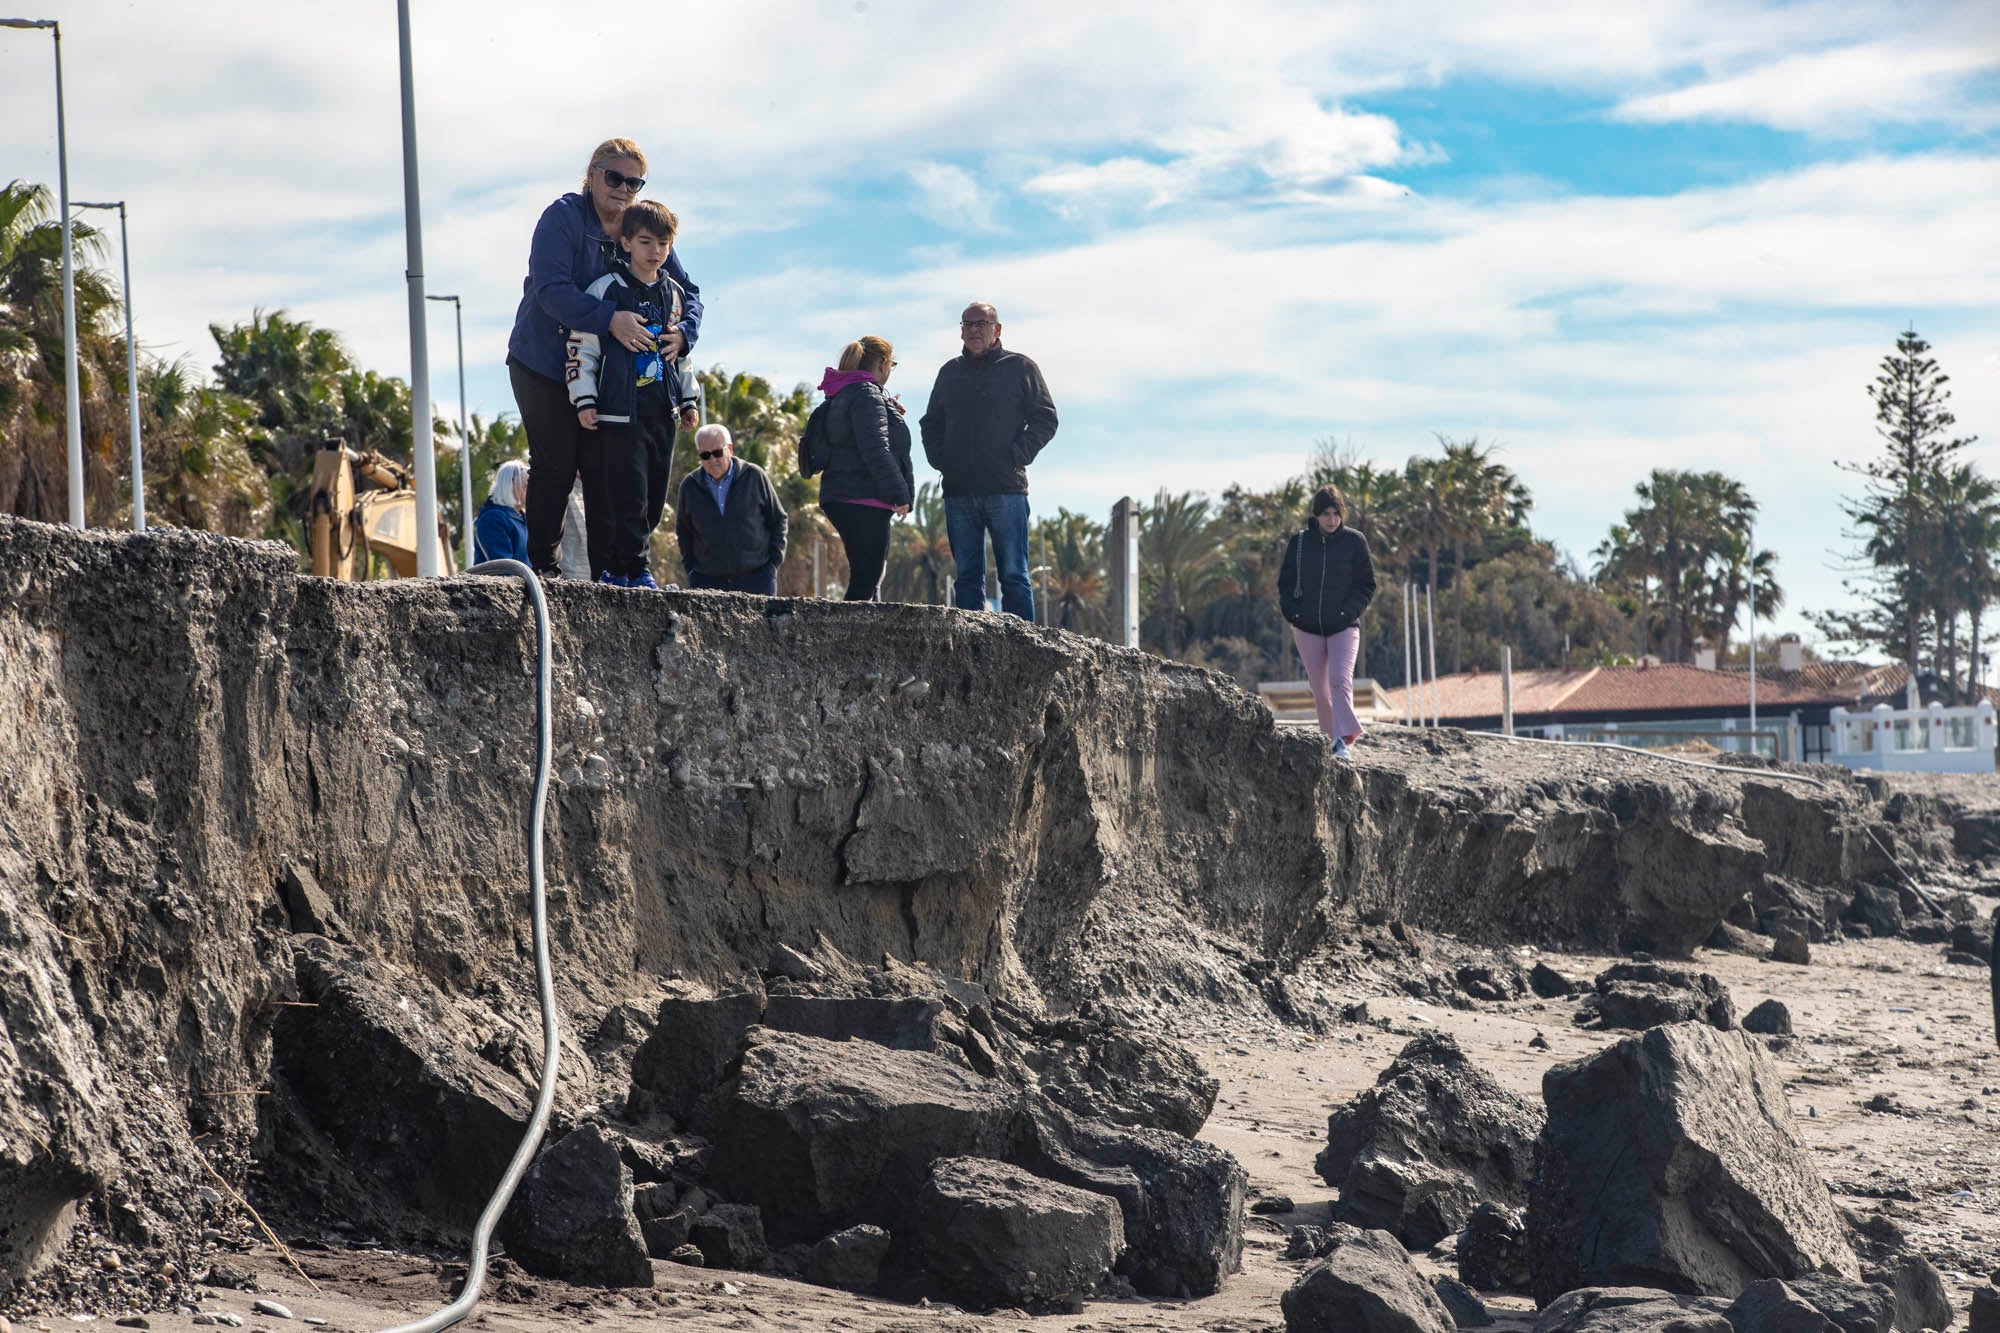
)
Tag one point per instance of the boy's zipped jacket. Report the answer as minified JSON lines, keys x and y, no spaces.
{"x":1326,"y":582}
{"x":602,"y":372}
{"x":569,"y":253}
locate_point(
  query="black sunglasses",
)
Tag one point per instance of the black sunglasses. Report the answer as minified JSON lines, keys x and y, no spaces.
{"x":618,"y":180}
{"x":712,"y":453}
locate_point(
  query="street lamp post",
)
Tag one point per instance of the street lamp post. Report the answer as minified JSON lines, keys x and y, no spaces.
{"x":70,"y":395}
{"x":423,"y":452}
{"x":131,"y":370}
{"x":464,"y":436}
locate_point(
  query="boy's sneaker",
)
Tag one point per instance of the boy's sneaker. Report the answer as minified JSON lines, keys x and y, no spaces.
{"x":643,"y":579}
{"x":1339,"y":748}
{"x":614,"y":580}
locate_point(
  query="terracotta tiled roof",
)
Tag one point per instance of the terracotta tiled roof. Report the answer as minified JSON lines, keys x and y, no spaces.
{"x":1605,"y":691}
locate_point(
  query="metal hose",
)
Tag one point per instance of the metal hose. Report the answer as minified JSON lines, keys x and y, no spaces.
{"x":482,"y":1234}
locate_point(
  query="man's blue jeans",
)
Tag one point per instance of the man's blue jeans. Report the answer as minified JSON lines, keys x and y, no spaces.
{"x":968,"y":519}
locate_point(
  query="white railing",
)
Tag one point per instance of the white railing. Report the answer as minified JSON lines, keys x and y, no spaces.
{"x":1928,"y":740}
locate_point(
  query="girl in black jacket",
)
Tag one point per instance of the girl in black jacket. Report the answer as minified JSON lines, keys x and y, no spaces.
{"x":868,"y":479}
{"x":1324,"y":586}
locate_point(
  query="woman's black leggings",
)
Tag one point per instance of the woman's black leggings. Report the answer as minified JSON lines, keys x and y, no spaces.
{"x":864,"y":531}
{"x":559,"y":451}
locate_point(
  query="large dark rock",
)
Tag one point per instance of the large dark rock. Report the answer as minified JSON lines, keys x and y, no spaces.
{"x":1181,"y":1199}
{"x":1879,"y":909}
{"x":1975,"y":938}
{"x":1365,"y":1284}
{"x":1921,"y":1300}
{"x":997,"y":1235}
{"x":384,"y":1070}
{"x":730,"y":1235}
{"x":1462,"y":1303}
{"x":1983,"y":1316}
{"x":1669,"y":1160}
{"x":1772,"y":1307}
{"x":572,"y":1216}
{"x":1104,"y":1070}
{"x":1493,"y":1250}
{"x":1853,"y":1307}
{"x":1644,"y":995}
{"x":1769,"y":1019}
{"x":1631,"y":1310}
{"x":1785,"y":904}
{"x":850,"y":1259}
{"x":681,"y":1063}
{"x":1550,"y":984}
{"x":1414,"y":1154}
{"x":1093,"y":1066}
{"x":822,"y":1135}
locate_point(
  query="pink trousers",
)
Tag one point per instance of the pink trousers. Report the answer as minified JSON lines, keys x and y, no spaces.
{"x":1329,"y":660}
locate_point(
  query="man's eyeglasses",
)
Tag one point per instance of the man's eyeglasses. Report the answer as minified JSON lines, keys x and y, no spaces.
{"x":975,"y":323}
{"x":618,"y":180}
{"x":704,"y":456}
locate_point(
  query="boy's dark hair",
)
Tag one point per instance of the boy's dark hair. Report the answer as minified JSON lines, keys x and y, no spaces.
{"x":654,"y":219}
{"x":1325,"y":498}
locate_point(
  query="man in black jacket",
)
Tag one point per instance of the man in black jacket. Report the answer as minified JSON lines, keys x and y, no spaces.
{"x":990,"y":413}
{"x":729,"y":520}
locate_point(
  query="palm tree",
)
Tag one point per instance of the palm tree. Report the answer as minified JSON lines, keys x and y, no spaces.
{"x":1178,"y":555}
{"x":1487,"y":498}
{"x":926,"y":547}
{"x":199,"y":470}
{"x":1734,"y":578}
{"x":34,"y":468}
{"x":1675,"y":542}
{"x":1075,"y":546}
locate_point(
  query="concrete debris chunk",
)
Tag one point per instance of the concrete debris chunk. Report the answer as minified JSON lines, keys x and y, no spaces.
{"x":997,"y":1235}
{"x":1365,"y":1284}
{"x":572,"y":1217}
{"x":1644,"y":995}
{"x":1669,"y":1159}
{"x":1415,"y":1154}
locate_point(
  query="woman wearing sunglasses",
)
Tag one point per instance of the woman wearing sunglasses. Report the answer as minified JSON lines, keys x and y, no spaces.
{"x":868,"y":479}
{"x":575,"y":243}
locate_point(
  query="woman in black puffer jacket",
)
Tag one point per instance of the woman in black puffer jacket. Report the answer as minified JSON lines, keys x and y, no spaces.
{"x":1325,"y":584}
{"x":868,"y":480}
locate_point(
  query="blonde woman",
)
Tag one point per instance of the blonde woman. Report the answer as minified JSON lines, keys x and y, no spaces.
{"x":868,"y":480}
{"x":574,"y":244}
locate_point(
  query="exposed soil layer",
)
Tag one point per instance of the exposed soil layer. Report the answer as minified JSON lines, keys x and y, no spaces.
{"x":1076,"y":827}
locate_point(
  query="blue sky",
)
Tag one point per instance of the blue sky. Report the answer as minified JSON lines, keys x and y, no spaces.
{"x":1609,"y":238}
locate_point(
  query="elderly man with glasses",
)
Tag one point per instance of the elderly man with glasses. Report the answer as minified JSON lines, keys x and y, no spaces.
{"x":990,"y":414}
{"x":729,"y":520}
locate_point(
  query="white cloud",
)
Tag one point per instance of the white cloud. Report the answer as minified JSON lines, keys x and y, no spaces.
{"x":951,"y":197}
{"x":1309,"y":292}
{"x":1844,"y":91}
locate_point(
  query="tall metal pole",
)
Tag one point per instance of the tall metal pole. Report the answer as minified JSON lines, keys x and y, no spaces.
{"x":422,"y":449}
{"x":131,"y":368}
{"x":464,"y":435}
{"x":1409,"y":697}
{"x":1753,"y":642}
{"x":1431,"y":633}
{"x":72,"y":404}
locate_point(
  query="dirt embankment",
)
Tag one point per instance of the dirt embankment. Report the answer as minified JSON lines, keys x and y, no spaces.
{"x":1069,"y":824}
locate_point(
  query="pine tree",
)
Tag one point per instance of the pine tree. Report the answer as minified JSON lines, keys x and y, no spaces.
{"x":1903,"y":533}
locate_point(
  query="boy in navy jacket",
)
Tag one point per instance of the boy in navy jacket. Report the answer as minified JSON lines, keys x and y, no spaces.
{"x":633,"y":397}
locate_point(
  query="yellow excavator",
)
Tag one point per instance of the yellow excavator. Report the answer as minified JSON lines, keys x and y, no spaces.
{"x":346,"y":521}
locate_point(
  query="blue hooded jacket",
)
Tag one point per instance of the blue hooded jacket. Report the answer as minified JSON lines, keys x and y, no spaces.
{"x":570,"y":251}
